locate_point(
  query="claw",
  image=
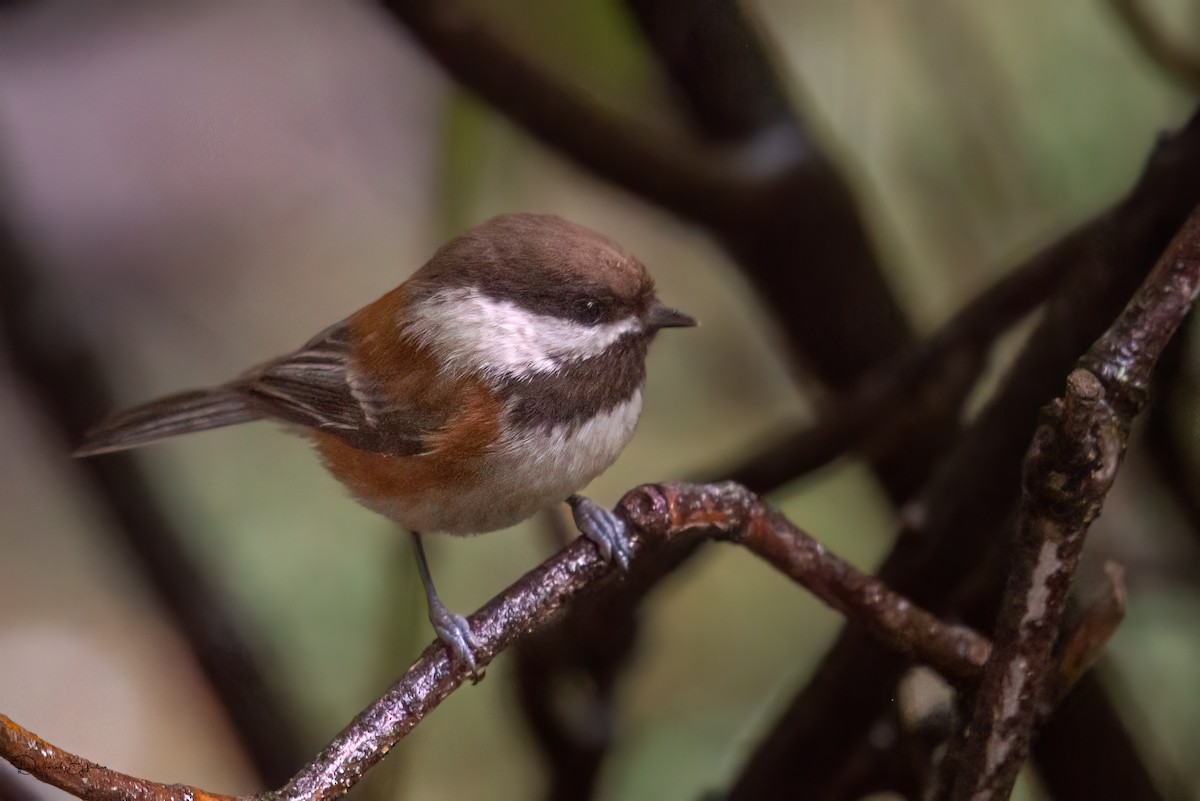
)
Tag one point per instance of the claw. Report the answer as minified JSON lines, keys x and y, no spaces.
{"x":604,"y":528}
{"x":455,"y":632}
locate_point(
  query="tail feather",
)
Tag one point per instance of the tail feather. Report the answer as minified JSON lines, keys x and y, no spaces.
{"x":198,"y":410}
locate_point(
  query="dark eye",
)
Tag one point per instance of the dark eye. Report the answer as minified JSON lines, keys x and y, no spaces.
{"x":588,"y":311}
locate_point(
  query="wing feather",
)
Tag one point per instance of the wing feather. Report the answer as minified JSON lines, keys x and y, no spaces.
{"x":322,"y":387}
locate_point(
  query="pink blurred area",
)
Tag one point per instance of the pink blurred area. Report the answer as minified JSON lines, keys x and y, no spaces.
{"x":205,"y":142}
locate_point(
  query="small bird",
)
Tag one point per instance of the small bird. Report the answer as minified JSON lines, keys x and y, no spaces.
{"x":499,"y":379}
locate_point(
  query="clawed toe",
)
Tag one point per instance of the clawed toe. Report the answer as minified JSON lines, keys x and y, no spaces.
{"x":606,"y":529}
{"x":455,"y":632}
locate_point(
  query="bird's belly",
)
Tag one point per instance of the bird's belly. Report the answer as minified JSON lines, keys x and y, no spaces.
{"x":522,"y":473}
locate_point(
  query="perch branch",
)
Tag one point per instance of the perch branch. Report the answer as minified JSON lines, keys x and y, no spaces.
{"x":1068,"y":472}
{"x":663,"y":517}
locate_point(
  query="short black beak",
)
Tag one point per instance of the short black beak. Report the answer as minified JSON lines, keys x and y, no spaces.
{"x":663,"y":317}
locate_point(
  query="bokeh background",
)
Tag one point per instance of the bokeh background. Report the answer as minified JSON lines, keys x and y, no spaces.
{"x":207,"y":183}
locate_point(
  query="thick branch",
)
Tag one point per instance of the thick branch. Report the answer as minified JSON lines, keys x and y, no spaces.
{"x":664,"y":518}
{"x":1068,"y":472}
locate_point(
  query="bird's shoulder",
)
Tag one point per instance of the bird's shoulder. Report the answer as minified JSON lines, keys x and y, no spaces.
{"x":362,"y":382}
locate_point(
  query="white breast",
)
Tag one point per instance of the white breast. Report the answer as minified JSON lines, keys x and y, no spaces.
{"x":533,"y":469}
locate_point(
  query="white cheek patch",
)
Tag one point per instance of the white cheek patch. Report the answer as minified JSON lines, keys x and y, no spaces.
{"x":473,"y":332}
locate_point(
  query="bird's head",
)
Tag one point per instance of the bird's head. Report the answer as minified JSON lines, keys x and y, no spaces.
{"x":527,"y":294}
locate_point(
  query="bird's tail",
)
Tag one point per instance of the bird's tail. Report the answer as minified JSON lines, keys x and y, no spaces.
{"x":198,"y":410}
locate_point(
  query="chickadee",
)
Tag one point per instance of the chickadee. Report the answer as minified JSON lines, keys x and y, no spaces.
{"x":499,"y":379}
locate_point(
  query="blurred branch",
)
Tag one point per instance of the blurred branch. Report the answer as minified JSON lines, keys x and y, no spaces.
{"x":1086,"y":730}
{"x":1166,"y":448}
{"x":670,"y":171}
{"x":663,"y":517}
{"x":14,"y":788}
{"x":567,"y":675}
{"x":963,"y":509}
{"x":1172,"y":57}
{"x":51,"y":356}
{"x":1079,"y":649}
{"x":720,"y":69}
{"x":926,"y":376}
{"x":1068,"y":472}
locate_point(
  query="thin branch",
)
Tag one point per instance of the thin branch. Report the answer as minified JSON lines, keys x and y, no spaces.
{"x":1068,"y":472}
{"x":975,"y":491}
{"x":663,"y":517}
{"x":1175,"y":59}
{"x":51,"y":356}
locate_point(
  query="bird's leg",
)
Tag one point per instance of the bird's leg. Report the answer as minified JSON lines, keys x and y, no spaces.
{"x":604,"y":528}
{"x":451,"y":629}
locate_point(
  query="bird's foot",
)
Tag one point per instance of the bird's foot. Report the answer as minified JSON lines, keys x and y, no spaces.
{"x":605,"y":528}
{"x":455,"y":632}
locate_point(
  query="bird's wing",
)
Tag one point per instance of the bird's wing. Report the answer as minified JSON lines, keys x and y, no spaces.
{"x":320,"y":386}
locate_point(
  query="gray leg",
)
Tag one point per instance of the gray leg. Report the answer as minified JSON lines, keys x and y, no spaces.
{"x":451,"y":629}
{"x":603,"y":528}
